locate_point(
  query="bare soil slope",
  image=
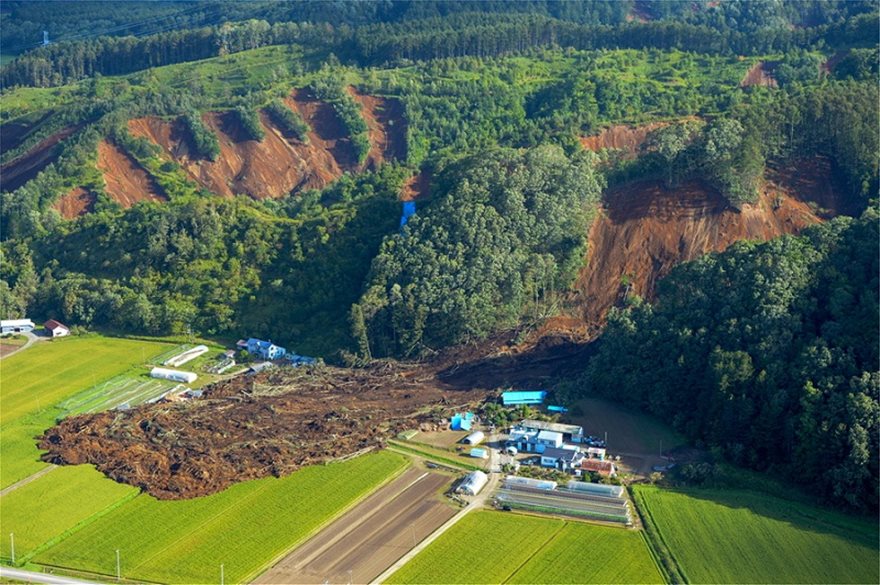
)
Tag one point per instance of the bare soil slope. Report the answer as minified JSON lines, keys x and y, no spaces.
{"x":761,"y":73}
{"x":621,"y":136}
{"x":387,"y":128}
{"x":645,"y":230}
{"x":127,"y":183}
{"x":327,"y":132}
{"x":17,"y":172}
{"x":76,"y":202}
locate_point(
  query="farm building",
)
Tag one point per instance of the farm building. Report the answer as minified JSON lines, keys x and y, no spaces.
{"x":596,"y":453}
{"x":561,"y":459}
{"x":16,"y":326}
{"x":297,"y":360}
{"x":479,"y":453}
{"x":601,"y":467}
{"x":473,"y":483}
{"x":186,"y":356}
{"x":257,"y":368}
{"x":474,"y":438}
{"x":598,"y":489}
{"x":534,"y":441}
{"x":55,"y":328}
{"x":264,"y":349}
{"x":515,"y":398}
{"x":462,"y":421}
{"x":173,"y":375}
{"x":573,"y":433}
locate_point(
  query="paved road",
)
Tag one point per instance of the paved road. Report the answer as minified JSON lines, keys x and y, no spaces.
{"x":32,"y":577}
{"x":361,"y":544}
{"x":27,"y":480}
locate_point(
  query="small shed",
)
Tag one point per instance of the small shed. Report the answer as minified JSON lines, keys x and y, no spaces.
{"x":516,"y":398}
{"x":473,"y":483}
{"x":479,"y":453}
{"x":55,"y":328}
{"x":474,"y":438}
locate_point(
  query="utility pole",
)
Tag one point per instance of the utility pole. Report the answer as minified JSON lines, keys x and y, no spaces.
{"x":661,"y":448}
{"x":221,"y":574}
{"x":349,"y":577}
{"x":606,"y":439}
{"x":118,"y":571}
{"x":12,"y":546}
{"x":413,"y":527}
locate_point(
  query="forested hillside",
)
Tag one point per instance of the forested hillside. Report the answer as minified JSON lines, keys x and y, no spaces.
{"x":765,"y":352}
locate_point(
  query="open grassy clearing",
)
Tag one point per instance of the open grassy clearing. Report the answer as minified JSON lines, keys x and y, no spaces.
{"x":55,"y":503}
{"x":50,"y":371}
{"x":517,"y":548}
{"x":244,"y":527}
{"x":629,"y":431}
{"x":737,"y":536}
{"x":33,"y":382}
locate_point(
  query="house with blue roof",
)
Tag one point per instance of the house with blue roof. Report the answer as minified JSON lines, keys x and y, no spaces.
{"x":265,"y":349}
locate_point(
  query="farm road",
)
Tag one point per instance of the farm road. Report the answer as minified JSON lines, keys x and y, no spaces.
{"x":27,"y":480}
{"x":32,"y":577}
{"x":32,"y":338}
{"x":371,"y":536}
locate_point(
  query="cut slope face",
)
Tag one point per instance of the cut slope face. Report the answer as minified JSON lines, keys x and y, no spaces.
{"x":74,"y":203}
{"x":761,"y":73}
{"x":17,"y":172}
{"x":645,"y":231}
{"x":621,"y":136}
{"x":326,"y":130}
{"x":387,"y":127}
{"x":127,"y":183}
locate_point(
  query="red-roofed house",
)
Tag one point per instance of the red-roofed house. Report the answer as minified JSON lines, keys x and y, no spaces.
{"x":56,"y":329}
{"x":603,"y":467}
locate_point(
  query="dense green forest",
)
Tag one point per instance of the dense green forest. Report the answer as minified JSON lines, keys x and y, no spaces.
{"x":765,"y":352}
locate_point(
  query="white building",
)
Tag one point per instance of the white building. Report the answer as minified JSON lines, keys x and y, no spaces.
{"x":473,"y":483}
{"x":475,"y":438}
{"x":173,"y":375}
{"x":16,"y":326}
{"x":56,"y":329}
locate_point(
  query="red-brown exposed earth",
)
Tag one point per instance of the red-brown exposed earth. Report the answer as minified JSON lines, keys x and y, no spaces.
{"x":621,"y":136}
{"x":19,"y":171}
{"x":387,"y":129}
{"x":761,"y":73}
{"x":127,"y":182}
{"x":78,"y":201}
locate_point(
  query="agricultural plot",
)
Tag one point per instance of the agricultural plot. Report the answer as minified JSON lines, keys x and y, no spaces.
{"x":125,"y":390}
{"x":45,"y":509}
{"x":516,"y":548}
{"x":244,"y":527}
{"x":48,"y":372}
{"x":737,"y":536}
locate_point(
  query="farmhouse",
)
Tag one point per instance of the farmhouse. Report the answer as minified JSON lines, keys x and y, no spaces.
{"x":561,"y":459}
{"x":56,"y":329}
{"x":534,"y":441}
{"x":16,"y":326}
{"x":473,"y":483}
{"x":264,"y":349}
{"x":606,"y":468}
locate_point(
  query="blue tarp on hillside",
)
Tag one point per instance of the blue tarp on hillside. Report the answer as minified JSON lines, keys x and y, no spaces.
{"x":409,"y":209}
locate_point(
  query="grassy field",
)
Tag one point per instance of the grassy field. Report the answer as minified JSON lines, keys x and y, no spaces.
{"x":736,"y":536}
{"x":55,"y":503}
{"x":50,"y":371}
{"x":36,"y":380}
{"x":244,"y":527}
{"x":499,"y":547}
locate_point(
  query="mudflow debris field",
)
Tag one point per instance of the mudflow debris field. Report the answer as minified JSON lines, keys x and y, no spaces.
{"x":254,"y":426}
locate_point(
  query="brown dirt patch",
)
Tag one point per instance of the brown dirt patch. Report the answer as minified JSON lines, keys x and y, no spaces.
{"x":75,"y":202}
{"x":327,"y":132}
{"x":646,"y":230}
{"x":12,"y":134}
{"x":812,"y":180}
{"x":19,"y":171}
{"x":387,"y":127}
{"x":761,"y":73}
{"x":416,"y":187}
{"x":621,"y":136}
{"x":127,"y":182}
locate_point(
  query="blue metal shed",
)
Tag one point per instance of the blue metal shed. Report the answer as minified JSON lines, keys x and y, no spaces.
{"x":523,"y":397}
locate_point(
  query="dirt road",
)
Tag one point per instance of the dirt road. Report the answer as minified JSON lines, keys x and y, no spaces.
{"x":372,"y":536}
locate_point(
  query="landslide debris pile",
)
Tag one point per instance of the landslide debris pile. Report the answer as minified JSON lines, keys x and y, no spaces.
{"x":254,"y":426}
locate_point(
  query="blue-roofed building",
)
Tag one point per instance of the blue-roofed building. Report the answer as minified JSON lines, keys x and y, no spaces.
{"x":462,"y":421}
{"x":265,"y":349}
{"x":409,"y":210}
{"x":515,"y":398}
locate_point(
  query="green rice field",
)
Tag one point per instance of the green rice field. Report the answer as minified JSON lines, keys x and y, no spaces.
{"x":737,"y":536}
{"x":516,"y":548}
{"x":244,"y":527}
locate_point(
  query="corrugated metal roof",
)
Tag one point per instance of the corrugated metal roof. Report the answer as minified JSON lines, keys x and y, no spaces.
{"x":524,"y":397}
